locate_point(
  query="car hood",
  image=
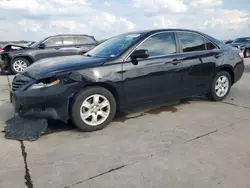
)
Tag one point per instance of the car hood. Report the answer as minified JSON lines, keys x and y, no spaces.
{"x":9,"y":46}
{"x":51,"y":66}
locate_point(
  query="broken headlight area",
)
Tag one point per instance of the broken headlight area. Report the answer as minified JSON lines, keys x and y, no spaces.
{"x":44,"y":83}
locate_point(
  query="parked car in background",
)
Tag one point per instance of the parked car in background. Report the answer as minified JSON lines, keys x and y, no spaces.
{"x":243,"y":44}
{"x":228,"y":41}
{"x":125,"y":72}
{"x":18,"y":57}
{"x":1,"y":48}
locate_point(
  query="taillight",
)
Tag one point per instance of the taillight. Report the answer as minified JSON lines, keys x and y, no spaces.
{"x":241,"y":54}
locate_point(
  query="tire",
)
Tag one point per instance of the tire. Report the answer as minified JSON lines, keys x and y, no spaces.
{"x":247,"y":53}
{"x":213,"y":93}
{"x":90,"y":110}
{"x":18,"y":65}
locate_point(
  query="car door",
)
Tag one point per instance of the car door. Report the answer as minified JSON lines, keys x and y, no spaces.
{"x":52,"y":46}
{"x":157,"y":77}
{"x":200,"y":58}
{"x":69,"y":46}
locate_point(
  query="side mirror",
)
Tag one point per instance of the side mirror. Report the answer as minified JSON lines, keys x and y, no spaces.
{"x":139,"y":54}
{"x":42,"y":46}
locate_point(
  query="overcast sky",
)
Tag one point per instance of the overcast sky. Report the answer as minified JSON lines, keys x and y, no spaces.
{"x":35,"y":19}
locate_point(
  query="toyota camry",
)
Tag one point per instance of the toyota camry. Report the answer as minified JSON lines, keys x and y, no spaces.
{"x":127,"y":71}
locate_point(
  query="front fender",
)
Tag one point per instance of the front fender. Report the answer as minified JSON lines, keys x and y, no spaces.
{"x":29,"y":57}
{"x":109,"y":77}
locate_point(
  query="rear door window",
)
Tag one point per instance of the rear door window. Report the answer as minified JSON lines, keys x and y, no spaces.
{"x":191,"y":42}
{"x":68,"y":40}
{"x":210,"y":45}
{"x":84,"y":40}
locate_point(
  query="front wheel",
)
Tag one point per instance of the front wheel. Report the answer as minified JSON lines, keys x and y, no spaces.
{"x":93,"y":109}
{"x":19,"y":65}
{"x":220,"y":87}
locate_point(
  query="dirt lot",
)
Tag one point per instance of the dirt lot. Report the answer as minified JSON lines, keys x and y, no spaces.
{"x":198,"y":144}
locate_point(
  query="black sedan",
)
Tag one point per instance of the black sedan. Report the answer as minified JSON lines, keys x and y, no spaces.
{"x":128,"y":70}
{"x":243,"y":44}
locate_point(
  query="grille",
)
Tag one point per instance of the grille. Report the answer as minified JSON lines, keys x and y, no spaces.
{"x":16,"y":83}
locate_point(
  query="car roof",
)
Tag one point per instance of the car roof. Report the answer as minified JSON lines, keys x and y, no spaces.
{"x":161,"y":30}
{"x":63,"y":35}
{"x":150,"y":32}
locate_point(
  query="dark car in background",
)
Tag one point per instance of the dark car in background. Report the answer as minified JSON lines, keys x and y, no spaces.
{"x":243,"y":44}
{"x":17,"y":57}
{"x":228,"y":41}
{"x":124,"y":72}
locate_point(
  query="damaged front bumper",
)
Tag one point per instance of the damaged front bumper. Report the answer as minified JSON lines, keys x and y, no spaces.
{"x":50,"y":103}
{"x":4,"y":69}
{"x":5,"y":61}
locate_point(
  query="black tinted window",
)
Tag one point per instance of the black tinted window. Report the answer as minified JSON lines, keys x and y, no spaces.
{"x":191,"y":42}
{"x":84,"y":40}
{"x":160,"y":44}
{"x":210,"y":46}
{"x":55,"y":41}
{"x":70,"y":40}
{"x":242,"y":40}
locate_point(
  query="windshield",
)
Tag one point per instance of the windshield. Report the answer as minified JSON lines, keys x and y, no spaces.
{"x":30,"y":43}
{"x":114,"y":46}
{"x":242,"y":40}
{"x":36,"y":43}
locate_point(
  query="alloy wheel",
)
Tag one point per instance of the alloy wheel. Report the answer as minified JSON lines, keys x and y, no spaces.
{"x":221,"y":86}
{"x":20,"y":66}
{"x":95,"y":110}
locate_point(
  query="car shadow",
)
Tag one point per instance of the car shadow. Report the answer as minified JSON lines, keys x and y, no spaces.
{"x":55,"y":126}
{"x":58,"y":126}
{"x":247,"y":69}
{"x":154,"y":110}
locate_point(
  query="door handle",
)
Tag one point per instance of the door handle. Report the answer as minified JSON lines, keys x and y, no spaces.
{"x":176,"y":61}
{"x":57,"y":48}
{"x":78,"y":47}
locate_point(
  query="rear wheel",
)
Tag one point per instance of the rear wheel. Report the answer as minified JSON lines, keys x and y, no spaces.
{"x":19,"y":65}
{"x":93,"y":109}
{"x":220,"y":87}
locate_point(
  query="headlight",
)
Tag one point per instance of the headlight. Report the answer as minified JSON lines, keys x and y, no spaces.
{"x":43,"y":85}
